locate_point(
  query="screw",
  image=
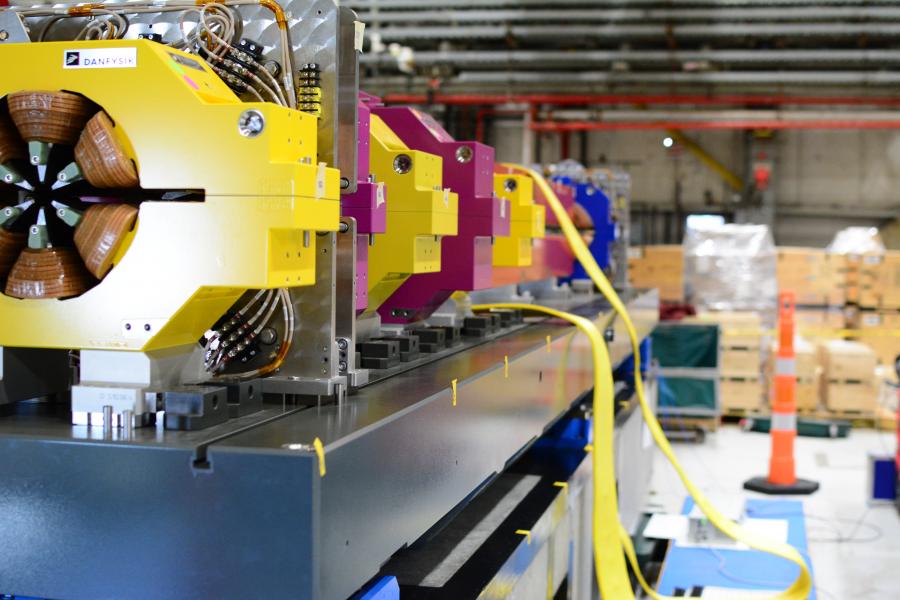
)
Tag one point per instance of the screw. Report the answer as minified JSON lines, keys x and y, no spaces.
{"x":4,"y":35}
{"x":147,"y":327}
{"x":402,"y":164}
{"x":251,"y":123}
{"x":342,"y":344}
{"x":464,"y":154}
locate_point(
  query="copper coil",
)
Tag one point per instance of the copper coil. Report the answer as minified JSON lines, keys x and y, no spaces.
{"x":52,"y":117}
{"x":11,"y":245}
{"x":11,"y":145}
{"x":101,"y":157}
{"x":48,"y":273}
{"x":100,"y":233}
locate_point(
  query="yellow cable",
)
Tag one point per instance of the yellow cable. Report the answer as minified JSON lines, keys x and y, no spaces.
{"x":802,"y":586}
{"x":609,"y":560}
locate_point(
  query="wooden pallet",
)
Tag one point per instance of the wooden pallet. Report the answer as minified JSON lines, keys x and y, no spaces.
{"x":845,"y":415}
{"x":704,"y":423}
{"x":688,"y":429}
{"x":745,"y":412}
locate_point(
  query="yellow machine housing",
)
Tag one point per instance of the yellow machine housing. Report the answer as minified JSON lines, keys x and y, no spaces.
{"x":419,"y":211}
{"x":187,"y":262}
{"x":526,"y":220}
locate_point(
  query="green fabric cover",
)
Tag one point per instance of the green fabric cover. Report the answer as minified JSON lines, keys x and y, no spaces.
{"x":681,"y":392}
{"x":686,"y":346}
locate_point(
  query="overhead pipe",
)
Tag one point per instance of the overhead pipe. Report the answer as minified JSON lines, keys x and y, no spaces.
{"x":642,"y":99}
{"x":717,"y":4}
{"x":532,"y":58}
{"x":704,"y":31}
{"x":618,"y":15}
{"x":560,"y":126}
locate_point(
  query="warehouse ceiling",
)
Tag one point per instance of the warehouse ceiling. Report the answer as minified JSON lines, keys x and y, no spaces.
{"x":528,"y":46}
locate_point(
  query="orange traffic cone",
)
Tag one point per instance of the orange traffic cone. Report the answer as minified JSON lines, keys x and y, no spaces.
{"x":782,"y":477}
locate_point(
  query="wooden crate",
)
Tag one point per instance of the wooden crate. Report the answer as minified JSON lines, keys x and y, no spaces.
{"x":740,"y":361}
{"x":879,"y":280}
{"x":819,"y":323}
{"x":738,"y":329}
{"x":807,"y":395}
{"x":850,"y":396}
{"x":803,"y":271}
{"x":878,"y":330}
{"x":741,"y":393}
{"x":841,"y":278}
{"x":660,"y":267}
{"x":843,"y":360}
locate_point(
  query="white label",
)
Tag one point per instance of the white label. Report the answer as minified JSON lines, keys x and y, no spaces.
{"x":100,"y":58}
{"x":379,"y":195}
{"x":320,"y":180}
{"x":447,"y":197}
{"x":502,"y":208}
{"x":871,"y":320}
{"x":358,"y":35}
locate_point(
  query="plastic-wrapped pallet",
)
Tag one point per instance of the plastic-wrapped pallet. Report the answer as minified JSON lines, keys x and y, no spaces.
{"x":857,"y":241}
{"x":854,"y":257}
{"x":731,"y":267}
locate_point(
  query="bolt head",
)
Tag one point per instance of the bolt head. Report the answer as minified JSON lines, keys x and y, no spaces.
{"x":251,"y":123}
{"x":402,"y":164}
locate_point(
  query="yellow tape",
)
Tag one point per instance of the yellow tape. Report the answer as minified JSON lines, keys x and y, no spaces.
{"x":453,"y":388}
{"x":505,"y":366}
{"x":320,"y":453}
{"x":800,"y":588}
{"x":526,"y":533}
{"x":609,"y":557}
{"x":562,"y":484}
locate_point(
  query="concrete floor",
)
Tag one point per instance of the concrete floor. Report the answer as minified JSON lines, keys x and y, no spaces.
{"x":866,"y":567}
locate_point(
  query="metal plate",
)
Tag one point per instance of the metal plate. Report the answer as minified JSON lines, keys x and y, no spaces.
{"x":320,"y":32}
{"x":239,"y":510}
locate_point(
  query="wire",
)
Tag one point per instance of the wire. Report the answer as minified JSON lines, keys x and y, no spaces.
{"x":214,"y":20}
{"x":830,"y":522}
{"x":801,"y":587}
{"x":289,"y":317}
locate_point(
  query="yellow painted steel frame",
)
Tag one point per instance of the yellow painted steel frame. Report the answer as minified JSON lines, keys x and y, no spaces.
{"x":526,"y":220}
{"x":419,"y":211}
{"x":187,"y":262}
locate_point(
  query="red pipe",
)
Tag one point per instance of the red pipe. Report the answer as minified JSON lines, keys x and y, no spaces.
{"x":564,"y":143}
{"x":484,"y":112}
{"x":747,"y":124}
{"x":588,"y":99}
